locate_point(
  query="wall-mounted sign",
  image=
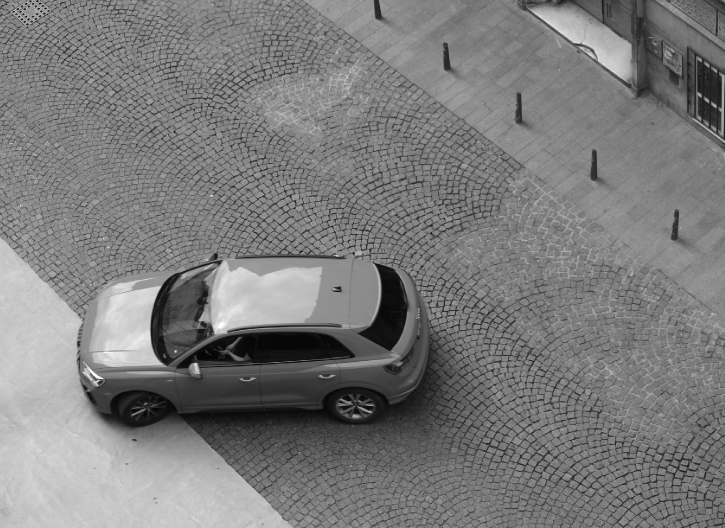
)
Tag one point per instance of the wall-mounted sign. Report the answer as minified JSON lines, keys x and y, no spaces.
{"x":653,"y":44}
{"x":672,"y":59}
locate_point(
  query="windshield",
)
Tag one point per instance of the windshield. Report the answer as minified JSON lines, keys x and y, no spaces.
{"x":182,"y":316}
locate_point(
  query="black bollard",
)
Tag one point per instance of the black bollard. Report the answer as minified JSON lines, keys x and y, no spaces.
{"x":675,"y":225}
{"x":378,"y":13}
{"x":518,"y":118}
{"x":593,"y":171}
{"x":446,"y":58}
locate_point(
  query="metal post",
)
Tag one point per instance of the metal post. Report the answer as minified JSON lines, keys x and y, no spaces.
{"x":518,"y":119}
{"x":593,"y":171}
{"x":378,"y":13}
{"x":446,"y":58}
{"x":639,"y":53}
{"x":675,"y":225}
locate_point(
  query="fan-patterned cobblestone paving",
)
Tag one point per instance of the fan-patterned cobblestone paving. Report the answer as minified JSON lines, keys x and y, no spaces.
{"x":568,"y":385}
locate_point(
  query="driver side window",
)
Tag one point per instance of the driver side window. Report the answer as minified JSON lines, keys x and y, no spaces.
{"x":229,"y":350}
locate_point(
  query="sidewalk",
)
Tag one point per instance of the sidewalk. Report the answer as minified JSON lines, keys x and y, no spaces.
{"x":65,"y":465}
{"x":650,"y":161}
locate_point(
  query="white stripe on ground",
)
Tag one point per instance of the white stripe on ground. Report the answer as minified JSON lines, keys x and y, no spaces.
{"x":62,"y":464}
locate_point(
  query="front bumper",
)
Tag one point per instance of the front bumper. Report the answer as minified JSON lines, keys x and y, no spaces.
{"x":94,"y":394}
{"x":89,"y":395}
{"x":100,"y":401}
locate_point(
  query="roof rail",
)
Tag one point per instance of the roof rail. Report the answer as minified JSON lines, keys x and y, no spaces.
{"x":267,"y":255}
{"x":288,"y":325}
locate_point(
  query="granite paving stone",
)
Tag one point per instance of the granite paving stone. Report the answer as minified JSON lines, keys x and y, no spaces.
{"x":570,"y":383}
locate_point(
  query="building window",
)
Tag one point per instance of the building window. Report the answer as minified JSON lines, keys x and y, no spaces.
{"x":709,"y":96}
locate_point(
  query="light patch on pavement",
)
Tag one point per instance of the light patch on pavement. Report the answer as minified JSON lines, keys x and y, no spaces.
{"x":653,"y":388}
{"x":299,"y":102}
{"x":65,"y":465}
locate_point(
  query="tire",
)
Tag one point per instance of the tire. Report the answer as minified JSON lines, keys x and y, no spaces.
{"x":356,"y":406}
{"x":138,"y":409}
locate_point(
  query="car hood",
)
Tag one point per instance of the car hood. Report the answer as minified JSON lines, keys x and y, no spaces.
{"x":117,"y":328}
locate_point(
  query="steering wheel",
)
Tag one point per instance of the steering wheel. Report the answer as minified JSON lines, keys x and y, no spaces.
{"x":210,"y":353}
{"x":217,"y":350}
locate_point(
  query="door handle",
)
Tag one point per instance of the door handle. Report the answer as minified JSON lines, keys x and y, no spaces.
{"x":326,"y":376}
{"x":247,"y":379}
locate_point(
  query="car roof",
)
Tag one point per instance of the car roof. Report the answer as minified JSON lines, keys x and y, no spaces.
{"x":279,"y":290}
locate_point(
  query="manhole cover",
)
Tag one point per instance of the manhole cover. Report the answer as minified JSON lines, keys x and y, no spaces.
{"x":30,"y":11}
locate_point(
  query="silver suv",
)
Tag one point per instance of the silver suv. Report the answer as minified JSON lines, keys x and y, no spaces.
{"x":257,"y":332}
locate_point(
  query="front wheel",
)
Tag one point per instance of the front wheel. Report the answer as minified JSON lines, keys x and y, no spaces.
{"x":356,"y":406}
{"x":142,"y":408}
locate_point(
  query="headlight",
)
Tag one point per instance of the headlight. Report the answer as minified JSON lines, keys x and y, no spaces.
{"x":94,"y":378}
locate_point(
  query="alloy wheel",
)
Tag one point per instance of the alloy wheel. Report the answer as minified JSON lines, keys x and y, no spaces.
{"x":355,"y":406}
{"x":148,"y":408}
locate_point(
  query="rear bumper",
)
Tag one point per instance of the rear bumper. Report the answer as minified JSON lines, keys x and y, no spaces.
{"x":415,"y":377}
{"x":404,"y":395}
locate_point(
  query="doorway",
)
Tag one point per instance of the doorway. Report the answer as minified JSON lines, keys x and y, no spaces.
{"x":616,"y":14}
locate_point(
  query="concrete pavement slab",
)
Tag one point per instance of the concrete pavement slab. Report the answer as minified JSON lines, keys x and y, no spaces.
{"x":65,"y":465}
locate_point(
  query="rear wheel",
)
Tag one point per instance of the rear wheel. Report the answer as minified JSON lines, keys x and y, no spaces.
{"x":356,"y":406}
{"x":142,"y":408}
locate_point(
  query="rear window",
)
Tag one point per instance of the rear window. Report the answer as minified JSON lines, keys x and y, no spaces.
{"x":283,"y":348}
{"x":390,"y":320}
{"x":336,"y":349}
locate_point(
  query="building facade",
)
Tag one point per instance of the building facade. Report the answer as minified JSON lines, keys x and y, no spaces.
{"x":678,"y":53}
{"x":691,"y":32}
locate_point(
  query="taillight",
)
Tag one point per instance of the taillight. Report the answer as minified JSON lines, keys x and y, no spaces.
{"x":397,"y":367}
{"x":417,"y":318}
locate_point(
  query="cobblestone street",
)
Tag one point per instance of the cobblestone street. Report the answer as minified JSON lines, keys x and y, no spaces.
{"x":569,"y":385}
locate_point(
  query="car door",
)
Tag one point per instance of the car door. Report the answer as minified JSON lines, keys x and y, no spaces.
{"x":226,"y":383}
{"x":297,"y":370}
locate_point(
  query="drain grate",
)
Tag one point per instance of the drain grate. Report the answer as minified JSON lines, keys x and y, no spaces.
{"x":30,"y":12}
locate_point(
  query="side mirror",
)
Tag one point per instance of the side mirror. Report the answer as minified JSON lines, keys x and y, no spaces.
{"x":213,"y":256}
{"x":194,"y":370}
